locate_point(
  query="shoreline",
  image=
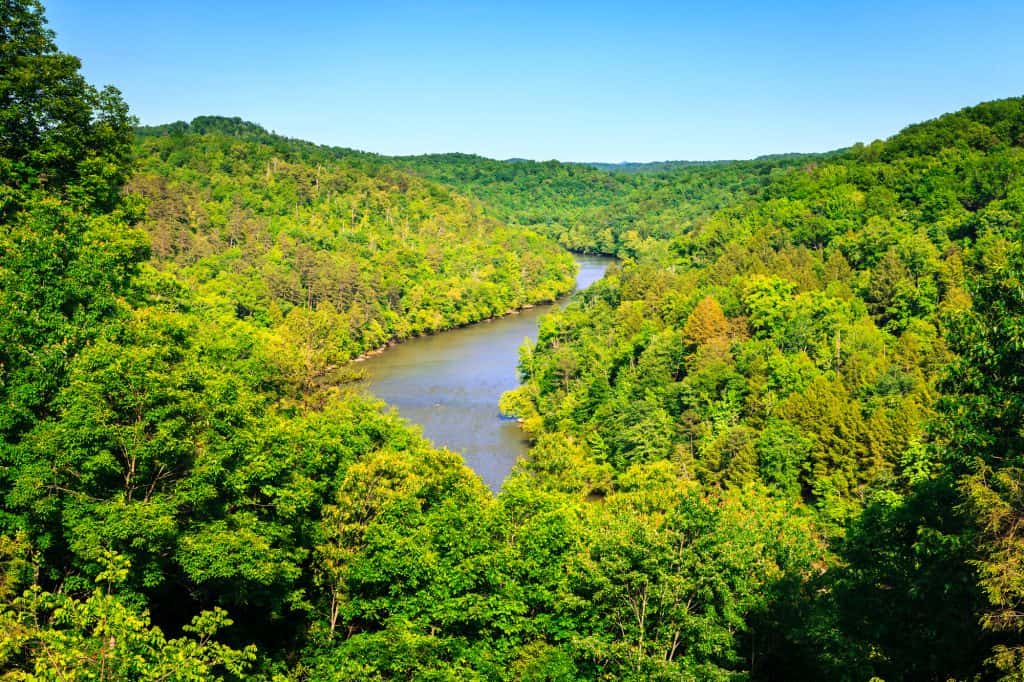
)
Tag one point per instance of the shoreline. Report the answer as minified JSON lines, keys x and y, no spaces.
{"x":391,"y":343}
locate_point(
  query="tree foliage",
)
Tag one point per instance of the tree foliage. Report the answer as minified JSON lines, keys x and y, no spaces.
{"x":749,"y":461}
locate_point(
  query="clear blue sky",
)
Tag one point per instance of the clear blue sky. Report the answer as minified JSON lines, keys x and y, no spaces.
{"x":576,"y":81}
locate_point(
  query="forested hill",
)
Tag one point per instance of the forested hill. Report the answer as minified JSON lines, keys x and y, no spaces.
{"x":631,"y":167}
{"x":585,"y":209}
{"x":247,"y":131}
{"x":593,"y":210}
{"x":781,"y":441}
{"x":320,"y":245}
{"x":798,"y":345}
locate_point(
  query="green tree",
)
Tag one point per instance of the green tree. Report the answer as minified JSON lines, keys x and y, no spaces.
{"x":64,"y":260}
{"x":982,"y":417}
{"x":55,"y":636}
{"x":59,"y":136}
{"x":670,"y":576}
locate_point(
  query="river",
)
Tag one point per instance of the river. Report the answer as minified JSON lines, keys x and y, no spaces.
{"x":449,"y":383}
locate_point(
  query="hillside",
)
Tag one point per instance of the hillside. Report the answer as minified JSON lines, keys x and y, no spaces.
{"x":318,"y":245}
{"x":592,"y":210}
{"x":633,"y":167}
{"x":799,"y":343}
{"x":780,"y":441}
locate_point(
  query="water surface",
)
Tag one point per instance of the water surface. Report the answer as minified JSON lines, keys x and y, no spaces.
{"x":449,"y":383}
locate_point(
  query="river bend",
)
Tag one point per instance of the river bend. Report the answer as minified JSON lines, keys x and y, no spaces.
{"x":449,"y":383}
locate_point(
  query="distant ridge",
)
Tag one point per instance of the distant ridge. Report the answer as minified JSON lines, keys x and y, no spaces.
{"x":235,"y":126}
{"x":666,"y":166}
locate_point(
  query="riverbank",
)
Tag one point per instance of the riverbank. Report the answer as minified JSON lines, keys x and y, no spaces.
{"x":514,"y":311}
{"x":449,"y":383}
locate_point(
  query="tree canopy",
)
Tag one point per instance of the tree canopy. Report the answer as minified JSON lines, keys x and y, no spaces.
{"x":780,"y":440}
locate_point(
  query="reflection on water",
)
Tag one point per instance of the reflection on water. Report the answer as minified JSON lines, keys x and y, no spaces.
{"x":450,"y":383}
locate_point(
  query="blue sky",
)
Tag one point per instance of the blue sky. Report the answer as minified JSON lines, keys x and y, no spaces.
{"x":577,"y":81}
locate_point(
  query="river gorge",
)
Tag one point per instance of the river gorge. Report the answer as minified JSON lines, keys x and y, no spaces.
{"x":449,"y":383}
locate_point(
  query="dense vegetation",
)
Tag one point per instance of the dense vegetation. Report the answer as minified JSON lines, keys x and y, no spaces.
{"x":593,"y":211}
{"x":780,"y":441}
{"x":331,"y":254}
{"x":798,"y":342}
{"x":664,"y":166}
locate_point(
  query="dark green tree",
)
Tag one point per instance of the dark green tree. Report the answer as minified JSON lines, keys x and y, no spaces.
{"x":983,"y":413}
{"x":67,"y":252}
{"x":58,"y":135}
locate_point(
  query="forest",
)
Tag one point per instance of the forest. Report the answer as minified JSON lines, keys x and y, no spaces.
{"x":780,"y":440}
